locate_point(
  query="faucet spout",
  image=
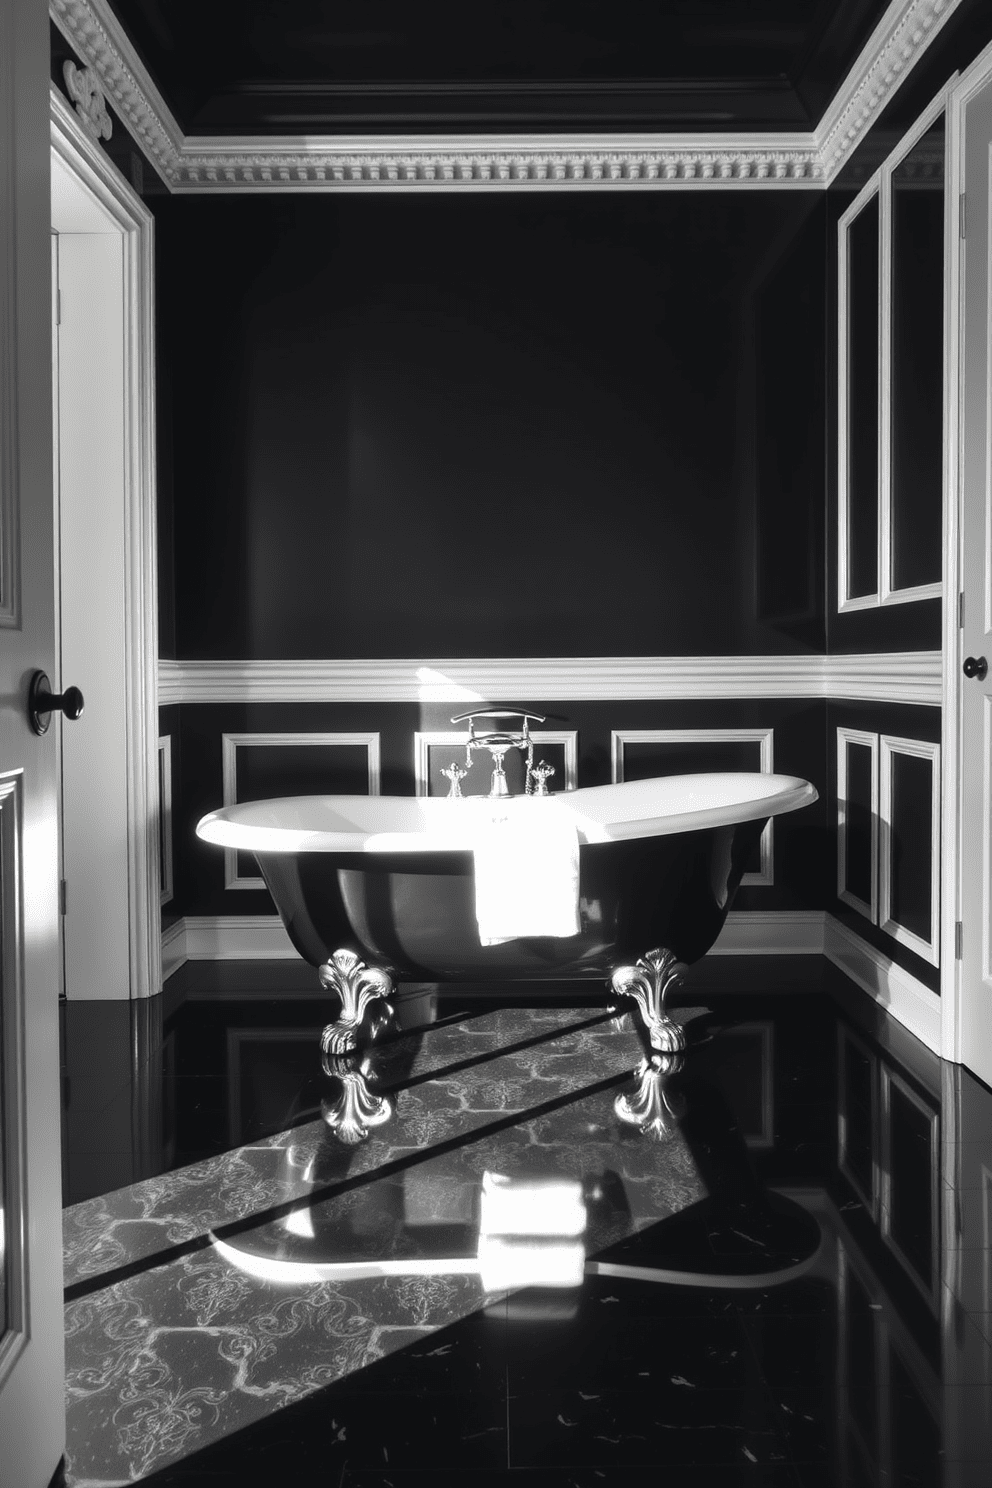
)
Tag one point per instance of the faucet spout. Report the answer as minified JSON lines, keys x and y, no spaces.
{"x":498,"y":741}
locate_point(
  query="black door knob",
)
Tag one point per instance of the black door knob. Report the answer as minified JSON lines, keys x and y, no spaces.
{"x":42,"y":702}
{"x":975,"y":666}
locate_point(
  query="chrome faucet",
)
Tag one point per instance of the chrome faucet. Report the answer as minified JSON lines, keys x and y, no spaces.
{"x":498,"y":742}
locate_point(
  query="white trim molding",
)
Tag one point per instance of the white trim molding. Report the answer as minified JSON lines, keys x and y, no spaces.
{"x":858,"y":737}
{"x":890,"y":677}
{"x":83,"y":158}
{"x":165,"y":817}
{"x":770,"y":932}
{"x":424,"y":741}
{"x":879,"y":189}
{"x":231,"y":743}
{"x":897,"y":990}
{"x":890,"y":746}
{"x":500,"y":162}
{"x":763,"y":737}
{"x":784,"y":932}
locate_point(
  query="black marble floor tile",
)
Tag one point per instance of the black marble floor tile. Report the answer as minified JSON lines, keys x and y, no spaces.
{"x":674,"y":1423}
{"x":753,"y":1337}
{"x":606,"y":1346}
{"x":748,"y":1475}
{"x":791,"y":1349}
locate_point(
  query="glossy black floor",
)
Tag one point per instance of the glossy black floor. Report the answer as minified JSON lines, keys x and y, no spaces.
{"x":275,"y":1272}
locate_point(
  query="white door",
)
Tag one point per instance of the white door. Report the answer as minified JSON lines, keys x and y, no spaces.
{"x":32,"y":1426}
{"x":975,"y":1001}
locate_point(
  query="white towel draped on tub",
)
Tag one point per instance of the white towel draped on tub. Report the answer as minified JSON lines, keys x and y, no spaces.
{"x":526,"y":870}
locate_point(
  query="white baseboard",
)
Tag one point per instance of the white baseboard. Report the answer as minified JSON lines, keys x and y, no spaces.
{"x":898,"y":991}
{"x":237,"y":938}
{"x":771,"y":932}
{"x":173,"y":948}
{"x":746,"y":933}
{"x":263,"y":937}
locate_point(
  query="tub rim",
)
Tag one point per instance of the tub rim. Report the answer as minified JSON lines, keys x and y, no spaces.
{"x":602,"y":813}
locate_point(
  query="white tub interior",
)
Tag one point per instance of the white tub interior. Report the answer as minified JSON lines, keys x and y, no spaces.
{"x":601,"y":813}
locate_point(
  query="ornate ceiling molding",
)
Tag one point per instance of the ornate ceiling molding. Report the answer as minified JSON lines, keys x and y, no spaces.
{"x":100,"y":40}
{"x":895,"y":46}
{"x":494,"y":162}
{"x":508,"y":162}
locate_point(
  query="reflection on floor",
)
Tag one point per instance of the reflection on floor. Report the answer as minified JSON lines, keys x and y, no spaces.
{"x":505,"y":1245}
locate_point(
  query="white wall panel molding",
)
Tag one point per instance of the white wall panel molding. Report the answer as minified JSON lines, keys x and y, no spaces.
{"x":231,"y":743}
{"x":897,"y":677}
{"x":845,"y":737}
{"x":892,"y":747}
{"x":764,"y":738}
{"x":898,"y":991}
{"x":510,"y":162}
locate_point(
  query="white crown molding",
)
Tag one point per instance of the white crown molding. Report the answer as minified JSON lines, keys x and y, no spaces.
{"x":499,"y":162}
{"x":894,"y":47}
{"x":900,"y":677}
{"x":93,"y":30}
{"x":495,"y":162}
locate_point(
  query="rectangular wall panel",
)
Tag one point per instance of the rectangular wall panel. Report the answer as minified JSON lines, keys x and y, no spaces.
{"x":639,"y":754}
{"x":909,"y":844}
{"x":857,"y":821}
{"x":860,"y":340}
{"x":259,"y":767}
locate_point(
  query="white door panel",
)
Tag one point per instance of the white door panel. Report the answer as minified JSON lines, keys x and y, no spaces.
{"x":31,"y":1356}
{"x":975,"y":1004}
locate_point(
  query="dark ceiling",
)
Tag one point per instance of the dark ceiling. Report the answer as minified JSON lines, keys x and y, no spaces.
{"x":464,"y":66}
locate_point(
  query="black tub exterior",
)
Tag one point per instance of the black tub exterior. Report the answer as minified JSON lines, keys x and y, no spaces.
{"x":414,"y":913}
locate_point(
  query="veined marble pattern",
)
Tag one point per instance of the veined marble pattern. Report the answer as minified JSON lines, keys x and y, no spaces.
{"x":113,"y":1230}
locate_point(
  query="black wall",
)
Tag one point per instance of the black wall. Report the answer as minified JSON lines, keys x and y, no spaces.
{"x":478,"y":424}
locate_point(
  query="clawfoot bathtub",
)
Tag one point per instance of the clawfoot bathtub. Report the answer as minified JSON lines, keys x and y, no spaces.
{"x":376,"y":888}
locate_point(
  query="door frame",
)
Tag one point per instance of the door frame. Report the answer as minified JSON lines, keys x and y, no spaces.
{"x":972,"y":80}
{"x":99,"y":177}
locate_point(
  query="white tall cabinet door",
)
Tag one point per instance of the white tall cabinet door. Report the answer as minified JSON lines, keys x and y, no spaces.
{"x":975,"y":1005}
{"x":32,"y":1419}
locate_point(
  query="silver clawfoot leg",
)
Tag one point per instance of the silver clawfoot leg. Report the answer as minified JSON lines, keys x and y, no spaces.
{"x":649,"y":983}
{"x":650,"y":1107}
{"x":357,"y":1108}
{"x":357,"y":985}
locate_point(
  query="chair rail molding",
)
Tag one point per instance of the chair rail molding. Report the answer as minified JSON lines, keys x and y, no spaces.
{"x":896,"y":677}
{"x":499,"y":162}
